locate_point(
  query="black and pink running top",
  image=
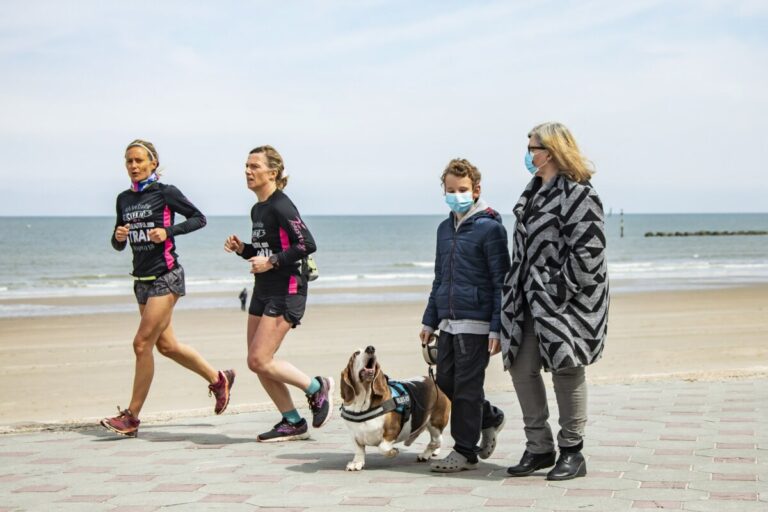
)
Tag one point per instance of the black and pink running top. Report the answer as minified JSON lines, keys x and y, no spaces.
{"x":278,"y":229}
{"x":154,"y":207}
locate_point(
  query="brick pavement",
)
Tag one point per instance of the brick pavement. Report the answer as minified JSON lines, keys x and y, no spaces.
{"x":700,"y":446}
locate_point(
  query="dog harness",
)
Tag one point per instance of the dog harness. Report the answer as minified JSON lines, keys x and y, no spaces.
{"x":400,"y":403}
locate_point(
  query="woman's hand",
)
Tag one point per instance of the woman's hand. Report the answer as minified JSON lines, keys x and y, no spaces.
{"x":121,"y":233}
{"x":494,"y":346}
{"x":158,"y":235}
{"x":233,"y":244}
{"x":260,"y":264}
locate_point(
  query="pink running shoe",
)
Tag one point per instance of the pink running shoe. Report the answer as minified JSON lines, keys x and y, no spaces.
{"x":125,"y":424}
{"x":221,"y":390}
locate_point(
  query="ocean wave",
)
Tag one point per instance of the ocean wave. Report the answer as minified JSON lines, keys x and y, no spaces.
{"x":688,"y":269}
{"x":415,"y":264}
{"x":692,"y":269}
{"x":385,"y":277}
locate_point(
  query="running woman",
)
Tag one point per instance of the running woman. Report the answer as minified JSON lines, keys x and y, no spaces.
{"x":145,"y":215}
{"x":280,"y":244}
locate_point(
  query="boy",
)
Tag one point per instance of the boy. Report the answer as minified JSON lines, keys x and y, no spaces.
{"x":471,"y":262}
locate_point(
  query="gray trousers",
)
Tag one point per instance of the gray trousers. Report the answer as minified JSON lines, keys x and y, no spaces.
{"x":570,"y":391}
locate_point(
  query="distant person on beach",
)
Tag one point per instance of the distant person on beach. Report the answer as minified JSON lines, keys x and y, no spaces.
{"x":555,"y":305}
{"x":471,"y":261}
{"x":280,"y":244}
{"x":243,"y":298}
{"x":145,"y":219}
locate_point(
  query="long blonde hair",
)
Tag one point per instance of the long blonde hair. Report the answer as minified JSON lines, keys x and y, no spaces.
{"x":559,"y":141}
{"x":275,"y":163}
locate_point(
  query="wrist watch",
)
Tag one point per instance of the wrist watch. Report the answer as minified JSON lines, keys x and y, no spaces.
{"x":274,"y":261}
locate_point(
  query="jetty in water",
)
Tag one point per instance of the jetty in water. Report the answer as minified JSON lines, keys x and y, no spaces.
{"x":706,"y":233}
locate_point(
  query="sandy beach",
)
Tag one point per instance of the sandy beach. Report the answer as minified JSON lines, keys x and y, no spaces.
{"x":74,"y":369}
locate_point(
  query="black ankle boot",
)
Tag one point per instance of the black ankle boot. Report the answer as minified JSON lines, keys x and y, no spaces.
{"x":530,"y":462}
{"x":570,"y":464}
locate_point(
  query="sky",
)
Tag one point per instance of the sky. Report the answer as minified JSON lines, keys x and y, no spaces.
{"x":367,"y":101}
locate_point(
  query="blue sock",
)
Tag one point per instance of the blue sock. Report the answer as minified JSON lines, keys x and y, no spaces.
{"x":313,"y":388}
{"x":292,"y":416}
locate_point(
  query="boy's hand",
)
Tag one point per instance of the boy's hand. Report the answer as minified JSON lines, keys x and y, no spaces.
{"x":425,"y":336}
{"x":494,"y":346}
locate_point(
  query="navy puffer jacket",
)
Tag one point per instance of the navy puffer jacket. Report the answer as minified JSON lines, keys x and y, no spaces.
{"x":470,"y":265}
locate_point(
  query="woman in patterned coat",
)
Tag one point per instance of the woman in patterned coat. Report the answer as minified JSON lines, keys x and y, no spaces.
{"x":555,"y":299}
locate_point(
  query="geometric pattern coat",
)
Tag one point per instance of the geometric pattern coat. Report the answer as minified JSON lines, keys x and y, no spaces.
{"x":558,"y":263}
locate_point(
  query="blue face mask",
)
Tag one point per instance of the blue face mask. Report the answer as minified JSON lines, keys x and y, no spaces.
{"x":459,"y":202}
{"x":529,"y":163}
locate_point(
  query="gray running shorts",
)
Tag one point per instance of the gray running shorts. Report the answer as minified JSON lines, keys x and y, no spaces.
{"x":171,"y":282}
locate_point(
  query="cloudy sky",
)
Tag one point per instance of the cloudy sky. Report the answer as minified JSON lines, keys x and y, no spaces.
{"x":368,"y":100}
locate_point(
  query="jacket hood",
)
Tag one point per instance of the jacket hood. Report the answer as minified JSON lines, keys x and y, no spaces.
{"x":479,"y":210}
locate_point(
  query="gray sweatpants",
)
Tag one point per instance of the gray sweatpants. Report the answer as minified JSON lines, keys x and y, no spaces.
{"x":570,"y":391}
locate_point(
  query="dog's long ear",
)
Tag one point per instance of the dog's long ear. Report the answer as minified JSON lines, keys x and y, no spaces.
{"x":347,"y":389}
{"x":380,"y":386}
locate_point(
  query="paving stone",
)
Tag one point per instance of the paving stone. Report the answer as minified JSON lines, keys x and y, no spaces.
{"x":87,"y":498}
{"x":592,"y":482}
{"x":157,"y":499}
{"x":577,"y":503}
{"x":660,"y":494}
{"x":226,"y":498}
{"x":657,"y":504}
{"x":424,"y":501}
{"x":724,"y":506}
{"x":664,"y":475}
{"x":723,"y":486}
{"x":640,"y":438}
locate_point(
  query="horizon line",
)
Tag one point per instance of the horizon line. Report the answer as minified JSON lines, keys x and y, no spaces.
{"x":610,"y":214}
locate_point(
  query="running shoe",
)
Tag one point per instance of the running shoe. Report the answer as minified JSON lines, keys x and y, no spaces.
{"x":125,"y":423}
{"x":321,"y":402}
{"x":221,"y":390}
{"x":285,"y":431}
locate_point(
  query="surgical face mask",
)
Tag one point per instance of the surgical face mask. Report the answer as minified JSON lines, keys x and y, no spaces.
{"x":459,"y":202}
{"x":529,"y":163}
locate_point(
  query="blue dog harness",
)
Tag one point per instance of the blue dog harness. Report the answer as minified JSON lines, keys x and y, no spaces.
{"x":399,"y":403}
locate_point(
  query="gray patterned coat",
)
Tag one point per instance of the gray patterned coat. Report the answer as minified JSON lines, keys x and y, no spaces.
{"x":558,"y":262}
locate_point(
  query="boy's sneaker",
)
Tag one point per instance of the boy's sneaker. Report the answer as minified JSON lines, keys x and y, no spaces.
{"x":488,"y":438}
{"x":125,"y":424}
{"x":285,"y":431}
{"x":221,"y":390}
{"x":321,"y":402}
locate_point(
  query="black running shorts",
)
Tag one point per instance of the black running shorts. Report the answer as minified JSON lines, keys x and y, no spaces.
{"x":290,"y":307}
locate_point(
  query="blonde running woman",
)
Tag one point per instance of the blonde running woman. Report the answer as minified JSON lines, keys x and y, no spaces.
{"x":145,"y":219}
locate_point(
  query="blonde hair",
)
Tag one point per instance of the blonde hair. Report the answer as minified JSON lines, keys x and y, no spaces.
{"x":275,"y":163}
{"x":150,"y":149}
{"x":461,"y":168}
{"x":559,"y":141}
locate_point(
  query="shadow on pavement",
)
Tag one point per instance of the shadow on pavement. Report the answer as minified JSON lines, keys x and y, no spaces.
{"x":156,"y":434}
{"x":403,"y":463}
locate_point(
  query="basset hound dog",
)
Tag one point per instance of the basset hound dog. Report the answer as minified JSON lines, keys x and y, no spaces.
{"x":381,"y":412}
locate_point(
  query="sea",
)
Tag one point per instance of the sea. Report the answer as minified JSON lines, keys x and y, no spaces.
{"x":360,"y":259}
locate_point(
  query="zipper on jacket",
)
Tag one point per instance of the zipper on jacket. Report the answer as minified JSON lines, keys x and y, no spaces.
{"x":450,"y":288}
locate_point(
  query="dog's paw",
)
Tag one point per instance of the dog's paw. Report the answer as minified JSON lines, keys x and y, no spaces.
{"x":355,"y":465}
{"x":392,"y":453}
{"x":422,"y":457}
